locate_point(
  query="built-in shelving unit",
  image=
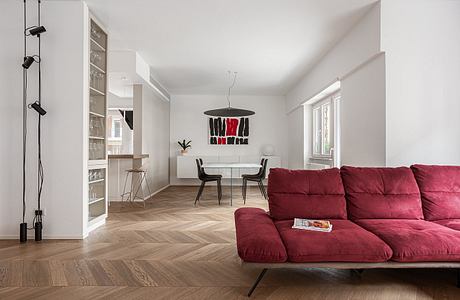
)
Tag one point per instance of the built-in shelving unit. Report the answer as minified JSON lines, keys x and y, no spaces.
{"x":97,"y":137}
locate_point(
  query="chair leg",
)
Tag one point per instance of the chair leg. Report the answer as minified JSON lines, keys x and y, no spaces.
{"x":219,"y":190}
{"x":245,"y":187}
{"x":261,"y":275}
{"x":200,"y":191}
{"x":262,"y":188}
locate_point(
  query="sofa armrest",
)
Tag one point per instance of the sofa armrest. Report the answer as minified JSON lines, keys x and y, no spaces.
{"x":257,"y":238}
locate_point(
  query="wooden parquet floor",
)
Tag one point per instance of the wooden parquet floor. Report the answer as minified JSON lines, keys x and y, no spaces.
{"x":173,"y":250}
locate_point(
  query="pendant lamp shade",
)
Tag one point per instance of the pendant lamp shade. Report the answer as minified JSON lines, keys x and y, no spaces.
{"x":229,"y":111}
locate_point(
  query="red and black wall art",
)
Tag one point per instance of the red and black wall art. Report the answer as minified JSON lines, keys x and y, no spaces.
{"x":228,"y":131}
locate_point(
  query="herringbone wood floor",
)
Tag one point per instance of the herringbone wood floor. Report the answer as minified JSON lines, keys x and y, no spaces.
{"x":173,"y":250}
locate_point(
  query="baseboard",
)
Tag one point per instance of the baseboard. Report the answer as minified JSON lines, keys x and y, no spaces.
{"x":157,"y":191}
{"x":146,"y":197}
{"x":31,"y":237}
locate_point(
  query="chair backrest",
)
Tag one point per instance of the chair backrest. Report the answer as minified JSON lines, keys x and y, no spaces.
{"x":263,"y":170}
{"x":199,"y":167}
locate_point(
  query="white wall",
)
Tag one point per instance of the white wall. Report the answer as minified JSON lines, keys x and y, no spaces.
{"x":62,"y":128}
{"x":155,"y":138}
{"x":363,"y":115}
{"x":422,"y":43}
{"x":267,"y":126}
{"x":296,"y":135}
{"x":360,"y":44}
{"x":358,"y":63}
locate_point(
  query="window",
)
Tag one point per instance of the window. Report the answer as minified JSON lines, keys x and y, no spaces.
{"x":116,"y":130}
{"x":323,"y":127}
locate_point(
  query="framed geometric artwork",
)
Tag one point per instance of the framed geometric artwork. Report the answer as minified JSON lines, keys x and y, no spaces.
{"x":228,"y":131}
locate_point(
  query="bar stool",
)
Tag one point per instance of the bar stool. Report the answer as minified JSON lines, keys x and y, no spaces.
{"x":142,"y":177}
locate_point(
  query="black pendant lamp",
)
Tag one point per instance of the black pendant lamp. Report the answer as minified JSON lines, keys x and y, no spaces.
{"x":229,"y":111}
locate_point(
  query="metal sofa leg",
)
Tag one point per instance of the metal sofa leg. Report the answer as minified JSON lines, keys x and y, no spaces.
{"x":261,"y":275}
{"x":357,"y":272}
{"x":458,"y":278}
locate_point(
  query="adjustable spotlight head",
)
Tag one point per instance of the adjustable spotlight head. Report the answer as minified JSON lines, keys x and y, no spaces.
{"x":36,"y":31}
{"x":36,"y":106}
{"x":28,"y":61}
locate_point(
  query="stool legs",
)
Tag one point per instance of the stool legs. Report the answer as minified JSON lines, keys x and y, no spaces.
{"x":141,"y":180}
{"x":124,"y":188}
{"x":133,"y":192}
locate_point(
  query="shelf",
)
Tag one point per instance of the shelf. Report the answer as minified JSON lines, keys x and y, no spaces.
{"x":96,"y":203}
{"x":96,"y":181}
{"x":97,"y":68}
{"x":95,"y":200}
{"x":96,"y":92}
{"x":98,"y":45}
{"x":96,"y":114}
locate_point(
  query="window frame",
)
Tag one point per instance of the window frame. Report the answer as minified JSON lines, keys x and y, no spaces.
{"x":112,"y":130}
{"x":331,"y":101}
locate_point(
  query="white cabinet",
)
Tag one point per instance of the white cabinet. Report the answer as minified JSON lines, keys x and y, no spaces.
{"x":186,"y":165}
{"x":97,"y":136}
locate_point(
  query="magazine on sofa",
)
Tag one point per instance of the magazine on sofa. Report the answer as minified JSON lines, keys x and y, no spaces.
{"x":314,"y":225}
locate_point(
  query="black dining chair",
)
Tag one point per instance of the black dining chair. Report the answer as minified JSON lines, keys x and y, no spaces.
{"x":259,"y":177}
{"x":207,"y":178}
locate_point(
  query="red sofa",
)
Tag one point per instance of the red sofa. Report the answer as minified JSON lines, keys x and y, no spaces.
{"x":382,"y":218}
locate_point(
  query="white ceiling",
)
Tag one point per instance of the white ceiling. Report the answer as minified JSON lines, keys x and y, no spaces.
{"x":190,"y":44}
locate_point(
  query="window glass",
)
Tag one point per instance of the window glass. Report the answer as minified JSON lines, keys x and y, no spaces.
{"x":116,"y":129}
{"x":326,"y":129}
{"x":317,"y":131}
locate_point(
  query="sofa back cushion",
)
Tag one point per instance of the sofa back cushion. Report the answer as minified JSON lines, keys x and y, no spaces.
{"x":440,"y":189}
{"x":313,"y":194}
{"x":381,"y":193}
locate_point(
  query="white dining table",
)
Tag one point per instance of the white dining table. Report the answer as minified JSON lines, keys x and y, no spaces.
{"x":231,"y":166}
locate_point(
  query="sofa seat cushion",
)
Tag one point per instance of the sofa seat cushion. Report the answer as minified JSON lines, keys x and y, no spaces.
{"x":310,"y":194}
{"x":347,"y":242}
{"x":381,"y":193}
{"x":257,"y":238}
{"x":416,"y":240}
{"x":451,"y":223}
{"x":440,"y":189}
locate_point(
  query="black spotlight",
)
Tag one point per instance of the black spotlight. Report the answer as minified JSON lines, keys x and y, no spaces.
{"x":28,"y":61}
{"x":37,"y":30}
{"x":36,"y":106}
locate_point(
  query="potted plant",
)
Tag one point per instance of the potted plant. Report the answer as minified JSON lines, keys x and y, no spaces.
{"x":184,"y":145}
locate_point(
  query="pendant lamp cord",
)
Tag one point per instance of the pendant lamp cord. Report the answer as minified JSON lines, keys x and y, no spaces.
{"x":231,"y":86}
